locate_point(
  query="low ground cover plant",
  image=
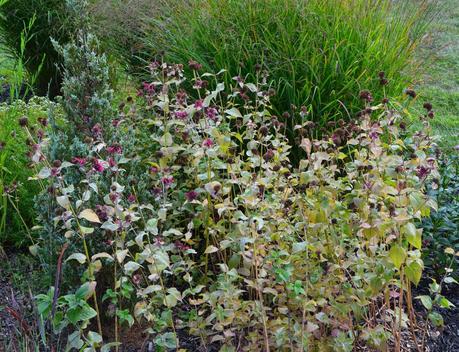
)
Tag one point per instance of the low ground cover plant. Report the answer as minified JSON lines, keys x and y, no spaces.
{"x":201,"y":226}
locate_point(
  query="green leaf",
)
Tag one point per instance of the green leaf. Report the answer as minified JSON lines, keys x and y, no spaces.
{"x":436,"y":319}
{"x":167,"y":340}
{"x":166,"y":140}
{"x":414,"y":272}
{"x":426,"y":301}
{"x":444,"y":303}
{"x":94,"y":337}
{"x":80,"y":313}
{"x":85,"y":290}
{"x":80,"y":257}
{"x":413,"y":236}
{"x":397,"y":255}
{"x":74,"y":341}
{"x":108,"y":346}
{"x":130,"y":267}
{"x":125,"y":316}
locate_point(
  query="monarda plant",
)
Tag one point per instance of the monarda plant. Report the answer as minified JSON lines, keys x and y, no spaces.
{"x":234,"y":245}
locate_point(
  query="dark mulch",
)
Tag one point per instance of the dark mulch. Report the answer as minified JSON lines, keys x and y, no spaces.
{"x":445,"y":339}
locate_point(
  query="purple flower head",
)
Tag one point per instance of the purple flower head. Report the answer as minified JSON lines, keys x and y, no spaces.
{"x":116,"y":122}
{"x":113,"y":197}
{"x":43,"y":121}
{"x":131,"y":198}
{"x":156,"y":191}
{"x":181,"y":246}
{"x":98,"y":165}
{"x":115,"y":149}
{"x":154,"y":169}
{"x":191,"y":195}
{"x":111,"y":162}
{"x":149,"y":88}
{"x":198,"y":105}
{"x":422,"y":171}
{"x":154,"y":65}
{"x":102,"y":212}
{"x":194,"y":65}
{"x":181,"y":115}
{"x":181,"y":97}
{"x":211,"y":113}
{"x":55,"y":171}
{"x":199,"y":84}
{"x":79,"y":161}
{"x":97,"y":130}
{"x":167,"y":181}
{"x":208,"y":143}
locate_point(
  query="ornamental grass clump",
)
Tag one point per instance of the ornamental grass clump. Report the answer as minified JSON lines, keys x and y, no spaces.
{"x":319,"y":53}
{"x":234,"y":245}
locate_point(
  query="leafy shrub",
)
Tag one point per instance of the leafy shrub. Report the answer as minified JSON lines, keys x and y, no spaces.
{"x":43,"y":20}
{"x":441,"y":229}
{"x":16,"y":210}
{"x":319,"y":54}
{"x":232,"y":243}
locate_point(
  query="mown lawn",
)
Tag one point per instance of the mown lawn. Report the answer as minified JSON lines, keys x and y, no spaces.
{"x":440,"y":84}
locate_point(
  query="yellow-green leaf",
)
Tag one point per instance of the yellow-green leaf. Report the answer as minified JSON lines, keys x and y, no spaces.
{"x":397,"y":255}
{"x":414,"y":272}
{"x":89,"y":215}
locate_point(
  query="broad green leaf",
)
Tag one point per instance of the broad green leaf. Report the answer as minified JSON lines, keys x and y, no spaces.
{"x":211,"y":249}
{"x":86,"y":290}
{"x":167,"y":340}
{"x":94,"y":337}
{"x":413,"y":236}
{"x":86,"y":230}
{"x":80,"y":257}
{"x":414,"y":272}
{"x":397,"y":255}
{"x":130,"y":267}
{"x":80,"y":313}
{"x":426,"y":301}
{"x":63,"y":201}
{"x":436,"y":319}
{"x":233,"y":112}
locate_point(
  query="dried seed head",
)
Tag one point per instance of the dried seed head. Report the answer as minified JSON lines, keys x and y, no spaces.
{"x":23,"y":121}
{"x":366,"y":96}
{"x":427,"y":106}
{"x":411,"y":93}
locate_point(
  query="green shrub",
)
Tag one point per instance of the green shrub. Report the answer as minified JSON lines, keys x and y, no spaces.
{"x":16,"y":209}
{"x":319,"y":54}
{"x":441,"y":229}
{"x":233,"y":244}
{"x":41,"y":21}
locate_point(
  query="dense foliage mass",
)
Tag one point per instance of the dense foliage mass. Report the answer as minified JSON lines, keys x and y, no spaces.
{"x":285,"y":203}
{"x":16,"y":208}
{"x":217,"y":235}
{"x":319,"y":54}
{"x":27,"y":30}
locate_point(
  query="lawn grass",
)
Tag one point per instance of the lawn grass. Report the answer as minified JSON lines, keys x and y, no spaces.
{"x":440,"y":84}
